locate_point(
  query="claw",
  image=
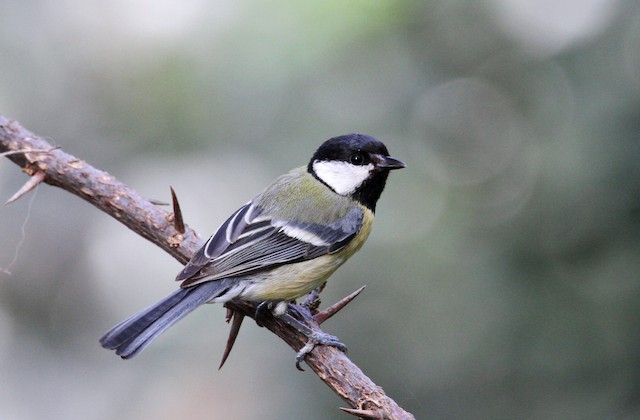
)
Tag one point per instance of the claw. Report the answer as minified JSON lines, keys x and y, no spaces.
{"x":314,"y":335}
{"x":312,"y":300}
{"x":318,"y":338}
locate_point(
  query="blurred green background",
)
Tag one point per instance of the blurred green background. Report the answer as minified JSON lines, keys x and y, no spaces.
{"x":503,"y":270}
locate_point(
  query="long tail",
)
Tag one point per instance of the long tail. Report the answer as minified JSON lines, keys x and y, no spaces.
{"x":132,"y":335}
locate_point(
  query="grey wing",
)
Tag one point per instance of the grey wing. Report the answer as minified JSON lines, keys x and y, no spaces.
{"x":226,"y":234}
{"x":249,"y":241}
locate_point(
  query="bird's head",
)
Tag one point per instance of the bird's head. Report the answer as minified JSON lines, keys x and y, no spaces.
{"x":354,"y":165}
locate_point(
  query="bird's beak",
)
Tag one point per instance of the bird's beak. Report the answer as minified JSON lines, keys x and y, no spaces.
{"x":388,"y":162}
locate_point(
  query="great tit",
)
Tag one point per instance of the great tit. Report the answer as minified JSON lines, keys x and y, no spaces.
{"x":279,"y":246}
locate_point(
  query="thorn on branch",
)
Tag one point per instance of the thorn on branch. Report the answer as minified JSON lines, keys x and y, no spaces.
{"x":237,"y":318}
{"x":33,"y":182}
{"x":178,"y":222}
{"x":320,"y":317}
{"x":365,"y":414}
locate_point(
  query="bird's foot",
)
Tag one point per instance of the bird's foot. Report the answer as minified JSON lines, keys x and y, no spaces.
{"x":263,"y":311}
{"x":296,"y":317}
{"x":318,"y":338}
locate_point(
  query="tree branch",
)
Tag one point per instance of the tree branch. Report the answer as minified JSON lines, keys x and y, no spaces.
{"x":55,"y":167}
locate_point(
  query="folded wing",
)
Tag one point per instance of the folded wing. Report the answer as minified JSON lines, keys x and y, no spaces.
{"x":249,"y":241}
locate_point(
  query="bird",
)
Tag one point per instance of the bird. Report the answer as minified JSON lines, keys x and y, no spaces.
{"x":279,"y":246}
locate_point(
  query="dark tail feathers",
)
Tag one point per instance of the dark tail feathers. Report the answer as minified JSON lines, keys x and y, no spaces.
{"x":132,"y":335}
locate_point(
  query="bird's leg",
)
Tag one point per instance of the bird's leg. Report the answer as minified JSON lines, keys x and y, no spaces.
{"x":312,"y":301}
{"x":300,"y":318}
{"x":263,"y":311}
{"x":314,"y":335}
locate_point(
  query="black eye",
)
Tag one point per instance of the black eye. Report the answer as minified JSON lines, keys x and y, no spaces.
{"x":357,"y":159}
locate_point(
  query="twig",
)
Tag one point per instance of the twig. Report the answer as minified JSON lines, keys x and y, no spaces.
{"x":16,"y":152}
{"x":153,"y":223}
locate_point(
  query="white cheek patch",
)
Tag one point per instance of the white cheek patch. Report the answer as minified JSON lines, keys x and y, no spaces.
{"x":344,"y":178}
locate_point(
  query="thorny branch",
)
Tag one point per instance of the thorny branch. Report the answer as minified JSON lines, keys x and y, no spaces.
{"x":50,"y":165}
